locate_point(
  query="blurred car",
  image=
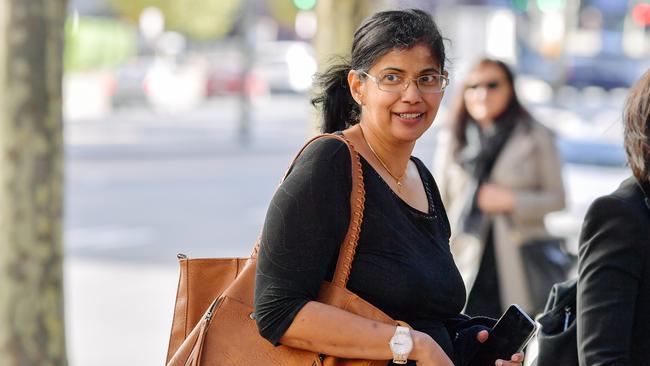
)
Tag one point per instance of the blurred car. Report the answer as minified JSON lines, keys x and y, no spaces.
{"x":224,"y":74}
{"x":128,"y":82}
{"x":605,"y":71}
{"x":278,"y":67}
{"x":175,"y":84}
{"x":286,"y":66}
{"x":592,"y":168}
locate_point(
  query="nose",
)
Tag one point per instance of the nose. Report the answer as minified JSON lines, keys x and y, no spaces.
{"x":411,"y":93}
{"x":479,"y":93}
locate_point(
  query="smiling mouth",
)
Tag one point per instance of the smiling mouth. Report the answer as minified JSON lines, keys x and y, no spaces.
{"x":410,"y":115}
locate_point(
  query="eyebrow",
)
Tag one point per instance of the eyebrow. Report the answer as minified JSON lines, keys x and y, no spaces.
{"x":425,"y":71}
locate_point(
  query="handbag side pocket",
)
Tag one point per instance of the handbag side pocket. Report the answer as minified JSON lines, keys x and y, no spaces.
{"x":228,"y":329}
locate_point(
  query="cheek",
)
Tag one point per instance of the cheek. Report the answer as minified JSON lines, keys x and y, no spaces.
{"x":382,"y":103}
{"x":434,"y":103}
{"x":499,"y":103}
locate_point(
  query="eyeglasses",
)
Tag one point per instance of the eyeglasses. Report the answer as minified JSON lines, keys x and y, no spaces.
{"x":490,"y":85}
{"x":394,"y":83}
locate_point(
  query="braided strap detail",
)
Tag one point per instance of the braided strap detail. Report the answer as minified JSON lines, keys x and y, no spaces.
{"x":357,"y":205}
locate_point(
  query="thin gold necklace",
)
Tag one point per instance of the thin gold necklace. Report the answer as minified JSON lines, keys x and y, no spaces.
{"x":398,"y":180}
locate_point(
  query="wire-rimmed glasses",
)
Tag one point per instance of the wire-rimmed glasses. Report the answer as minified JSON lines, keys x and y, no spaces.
{"x":395,"y":83}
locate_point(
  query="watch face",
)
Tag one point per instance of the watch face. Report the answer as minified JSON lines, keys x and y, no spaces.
{"x":401,"y":343}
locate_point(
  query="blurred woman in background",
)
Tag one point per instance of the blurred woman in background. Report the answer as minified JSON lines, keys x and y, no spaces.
{"x":499,"y":173}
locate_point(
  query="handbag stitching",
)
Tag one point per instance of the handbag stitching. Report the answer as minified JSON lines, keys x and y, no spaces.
{"x":187,"y":292}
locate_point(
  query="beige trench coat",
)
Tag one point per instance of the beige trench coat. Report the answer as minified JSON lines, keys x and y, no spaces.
{"x":530,"y":165}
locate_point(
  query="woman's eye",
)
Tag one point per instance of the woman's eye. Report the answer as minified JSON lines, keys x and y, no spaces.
{"x":391,"y":79}
{"x":428,"y":79}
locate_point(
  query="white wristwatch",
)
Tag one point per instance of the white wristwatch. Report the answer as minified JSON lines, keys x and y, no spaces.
{"x":401,"y":345}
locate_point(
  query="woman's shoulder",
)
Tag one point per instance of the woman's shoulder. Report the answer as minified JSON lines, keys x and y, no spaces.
{"x":616,"y":226}
{"x":627,"y":197}
{"x":324,"y":159}
{"x":624,"y":208}
{"x":537,"y":129}
{"x":325,"y":149}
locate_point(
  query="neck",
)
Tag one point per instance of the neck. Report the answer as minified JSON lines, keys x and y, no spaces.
{"x":393,"y":154}
{"x":484,"y":124}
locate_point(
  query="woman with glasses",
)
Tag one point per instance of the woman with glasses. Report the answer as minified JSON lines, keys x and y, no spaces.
{"x":499,"y":174}
{"x":381,"y":100}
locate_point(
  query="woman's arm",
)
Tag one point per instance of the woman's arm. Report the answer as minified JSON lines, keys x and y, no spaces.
{"x":326,"y":329}
{"x":609,"y":271}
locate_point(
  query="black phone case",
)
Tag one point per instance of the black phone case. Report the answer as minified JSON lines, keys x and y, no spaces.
{"x":498,"y":348}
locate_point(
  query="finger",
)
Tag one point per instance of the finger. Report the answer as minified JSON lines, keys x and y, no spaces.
{"x":517,"y":357}
{"x":507,"y":363}
{"x":516,"y":360}
{"x":482,"y":336}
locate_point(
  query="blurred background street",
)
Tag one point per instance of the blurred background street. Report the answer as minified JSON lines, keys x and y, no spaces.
{"x":177,"y":132}
{"x":143,"y":187}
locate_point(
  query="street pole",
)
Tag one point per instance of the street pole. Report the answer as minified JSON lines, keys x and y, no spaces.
{"x":247,"y":48}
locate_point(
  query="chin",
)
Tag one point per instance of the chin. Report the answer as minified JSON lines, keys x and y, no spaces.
{"x":412,"y":133}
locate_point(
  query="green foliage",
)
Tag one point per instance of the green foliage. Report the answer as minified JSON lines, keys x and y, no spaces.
{"x":92,"y":43}
{"x":197,"y":19}
{"x":284,"y":12}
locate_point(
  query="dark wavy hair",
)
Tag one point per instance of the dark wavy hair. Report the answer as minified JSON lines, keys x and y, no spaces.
{"x":514,"y":112}
{"x":376,"y":36}
{"x":636,"y":120}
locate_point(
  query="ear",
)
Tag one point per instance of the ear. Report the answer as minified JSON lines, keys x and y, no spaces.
{"x":356,"y":85}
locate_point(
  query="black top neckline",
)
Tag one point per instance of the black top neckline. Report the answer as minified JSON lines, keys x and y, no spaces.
{"x":421,"y":173}
{"x":427,"y":189}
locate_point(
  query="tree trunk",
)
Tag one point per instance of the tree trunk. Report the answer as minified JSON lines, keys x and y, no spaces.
{"x":337,"y":21}
{"x":31,"y":183}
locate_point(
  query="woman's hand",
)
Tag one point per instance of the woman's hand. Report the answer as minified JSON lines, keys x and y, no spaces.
{"x":516,"y":360}
{"x":493,"y":198}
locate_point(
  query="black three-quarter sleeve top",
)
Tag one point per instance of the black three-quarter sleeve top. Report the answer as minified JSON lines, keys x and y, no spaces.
{"x":403,"y":264}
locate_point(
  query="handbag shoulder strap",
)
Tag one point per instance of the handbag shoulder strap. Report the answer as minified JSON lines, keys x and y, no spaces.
{"x":357,"y":204}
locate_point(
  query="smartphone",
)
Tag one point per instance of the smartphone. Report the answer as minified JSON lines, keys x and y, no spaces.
{"x":510,"y":335}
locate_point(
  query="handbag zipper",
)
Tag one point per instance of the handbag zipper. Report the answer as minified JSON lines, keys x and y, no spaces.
{"x":210,"y":312}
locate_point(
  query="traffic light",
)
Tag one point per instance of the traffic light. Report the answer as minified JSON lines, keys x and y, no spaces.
{"x":519,"y":5}
{"x":304,"y":4}
{"x":641,"y":14}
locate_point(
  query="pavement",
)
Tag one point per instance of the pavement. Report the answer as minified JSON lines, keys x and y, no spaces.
{"x":118,"y":313}
{"x":142,"y":186}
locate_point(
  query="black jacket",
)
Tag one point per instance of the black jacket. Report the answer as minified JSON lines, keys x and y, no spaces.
{"x":614,"y":280}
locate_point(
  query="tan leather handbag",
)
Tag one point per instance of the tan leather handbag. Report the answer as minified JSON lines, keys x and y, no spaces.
{"x":214,"y":319}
